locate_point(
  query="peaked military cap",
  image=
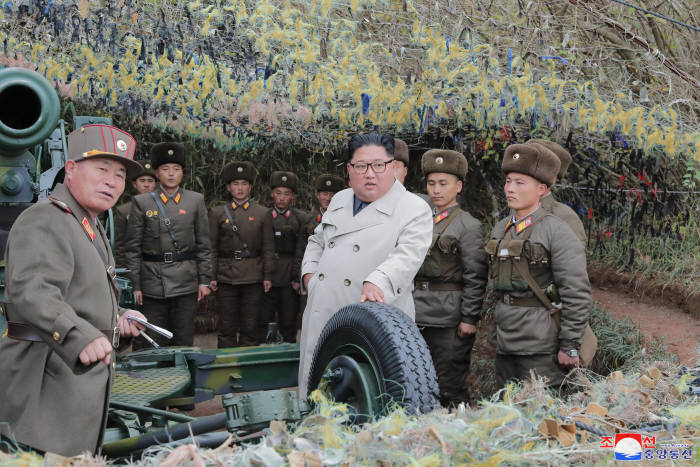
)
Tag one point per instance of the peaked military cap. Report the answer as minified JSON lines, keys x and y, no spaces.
{"x":168,"y":153}
{"x":284,"y":179}
{"x":146,"y":170}
{"x":401,"y":151}
{"x":238,"y":170}
{"x":103,"y":141}
{"x":445,"y":161}
{"x":531,"y":159}
{"x":563,"y":155}
{"x":329,"y":182}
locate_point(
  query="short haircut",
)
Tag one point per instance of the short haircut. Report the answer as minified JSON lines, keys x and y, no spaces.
{"x":370,"y":139}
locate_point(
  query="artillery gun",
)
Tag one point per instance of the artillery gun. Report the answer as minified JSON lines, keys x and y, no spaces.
{"x":369,"y":356}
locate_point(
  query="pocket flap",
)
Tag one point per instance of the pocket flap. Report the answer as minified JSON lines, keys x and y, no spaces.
{"x":492,"y":246}
{"x":515,"y":248}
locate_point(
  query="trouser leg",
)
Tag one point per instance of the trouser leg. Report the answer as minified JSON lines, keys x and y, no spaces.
{"x":251,"y":301}
{"x":181,"y":319}
{"x":288,"y":310}
{"x":156,"y":312}
{"x":270,"y":304}
{"x":451,"y":357}
{"x":228,"y":310}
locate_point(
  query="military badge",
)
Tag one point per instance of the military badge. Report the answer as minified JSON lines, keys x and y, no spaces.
{"x":149,"y":213}
{"x":516,"y":156}
{"x":523,"y":225}
{"x":439,"y":160}
{"x":182,"y":211}
{"x":251,"y":218}
{"x":121,"y":145}
{"x":88,"y":228}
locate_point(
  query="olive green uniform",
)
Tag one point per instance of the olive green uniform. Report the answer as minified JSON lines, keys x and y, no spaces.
{"x":287,"y":229}
{"x":57,"y":286}
{"x":313,"y":218}
{"x":169,"y":274}
{"x":449,"y":290}
{"x":242,"y":260}
{"x":527,"y":337}
{"x":121,"y":219}
{"x":565,"y":213}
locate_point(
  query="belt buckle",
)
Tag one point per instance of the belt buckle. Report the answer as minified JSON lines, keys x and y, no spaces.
{"x":507,"y":299}
{"x":238,"y":255}
{"x":115,"y":337}
{"x":424,"y":285}
{"x":168,"y":257}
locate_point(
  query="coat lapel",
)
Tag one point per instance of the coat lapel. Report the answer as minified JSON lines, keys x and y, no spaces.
{"x":340,"y":213}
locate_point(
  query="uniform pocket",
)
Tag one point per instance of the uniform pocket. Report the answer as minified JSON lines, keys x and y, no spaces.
{"x":536,"y":253}
{"x":448,"y":245}
{"x":152,"y":227}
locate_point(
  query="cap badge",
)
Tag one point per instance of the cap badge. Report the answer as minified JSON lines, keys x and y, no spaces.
{"x":121,"y":145}
{"x":439,"y":160}
{"x":239,"y":169}
{"x":516,"y":156}
{"x":284,"y":178}
{"x":328,"y":183}
{"x":149,"y":213}
{"x":170,"y":152}
{"x":147,"y":166}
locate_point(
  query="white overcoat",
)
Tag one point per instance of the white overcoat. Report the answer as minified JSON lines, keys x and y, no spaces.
{"x":384,"y":244}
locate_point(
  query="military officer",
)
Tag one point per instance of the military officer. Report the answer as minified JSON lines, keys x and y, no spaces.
{"x":549,"y":202}
{"x":288,"y":228}
{"x":327,"y":185}
{"x":167,"y":249}
{"x":244,"y":249}
{"x":401,"y":158}
{"x":530,"y":252}
{"x":450,"y":284}
{"x":143,"y":182}
{"x":368,"y":247}
{"x":63,"y":303}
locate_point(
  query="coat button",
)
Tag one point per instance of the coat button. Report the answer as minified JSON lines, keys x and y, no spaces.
{"x":346,"y":282}
{"x":398,"y":291}
{"x":356,"y":248}
{"x":56,"y":336}
{"x":114,"y":365}
{"x":320,"y":277}
{"x":331,"y":244}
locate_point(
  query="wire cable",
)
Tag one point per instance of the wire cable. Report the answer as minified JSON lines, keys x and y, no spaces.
{"x":659,"y":15}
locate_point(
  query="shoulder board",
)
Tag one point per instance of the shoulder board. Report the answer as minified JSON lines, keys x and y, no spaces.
{"x":60,"y":204}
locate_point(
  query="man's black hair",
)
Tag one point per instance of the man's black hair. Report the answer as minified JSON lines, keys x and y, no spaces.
{"x":370,"y":139}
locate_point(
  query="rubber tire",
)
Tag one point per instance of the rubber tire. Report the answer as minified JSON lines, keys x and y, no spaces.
{"x":407,"y":375}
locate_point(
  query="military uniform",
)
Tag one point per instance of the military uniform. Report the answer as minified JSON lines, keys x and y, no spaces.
{"x":527,"y":336}
{"x":60,"y":297}
{"x":288,"y":228}
{"x":450,"y":285}
{"x":121,"y":217}
{"x":169,"y":264}
{"x":243,"y":259}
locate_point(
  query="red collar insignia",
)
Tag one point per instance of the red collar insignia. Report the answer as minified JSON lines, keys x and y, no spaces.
{"x":88,"y":228}
{"x":524,"y":224}
{"x":177,"y":198}
{"x":318,"y":218}
{"x":164,"y":198}
{"x":441,"y":216}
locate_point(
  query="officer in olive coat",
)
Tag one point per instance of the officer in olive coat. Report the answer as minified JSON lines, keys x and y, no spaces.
{"x":450,"y":284}
{"x":63,"y":304}
{"x":288,"y":228}
{"x":244,"y":253}
{"x":167,"y":249}
{"x":530,"y":253}
{"x":401,"y":157}
{"x":143,"y":182}
{"x":549,"y":202}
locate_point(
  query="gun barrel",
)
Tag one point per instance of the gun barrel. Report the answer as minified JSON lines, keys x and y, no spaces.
{"x":29,"y":110}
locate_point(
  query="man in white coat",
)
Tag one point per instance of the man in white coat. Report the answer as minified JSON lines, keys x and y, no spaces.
{"x":369,"y":244}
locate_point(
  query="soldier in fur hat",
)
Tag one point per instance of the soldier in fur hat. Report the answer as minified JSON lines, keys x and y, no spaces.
{"x":401,"y":156}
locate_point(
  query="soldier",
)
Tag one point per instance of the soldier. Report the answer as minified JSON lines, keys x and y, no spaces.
{"x":450,"y":285}
{"x":402,"y":159}
{"x":63,"y":302}
{"x":167,"y":249}
{"x":530,"y":252}
{"x":143,"y":182}
{"x":288,"y":228}
{"x":244,"y":249}
{"x":549,"y":202}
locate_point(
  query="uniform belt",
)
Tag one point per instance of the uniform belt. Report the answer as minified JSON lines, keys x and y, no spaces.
{"x":169,"y":257}
{"x":439,"y":286}
{"x":25,"y":332}
{"x":521,"y":301}
{"x":239,"y":255}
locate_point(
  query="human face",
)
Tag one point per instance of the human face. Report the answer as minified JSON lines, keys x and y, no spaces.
{"x":170,"y":175}
{"x":324,"y":198}
{"x":401,"y":171}
{"x":523,"y":193}
{"x":371,"y":186}
{"x":239,"y":189}
{"x":282,"y":197}
{"x":96,"y":184}
{"x":443,"y":189}
{"x":144,"y":184}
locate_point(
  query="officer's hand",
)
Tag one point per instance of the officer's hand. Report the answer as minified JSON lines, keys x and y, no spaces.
{"x":267,"y":285}
{"x":213,"y":285}
{"x":306,"y":279}
{"x":99,"y":349}
{"x":138,"y":297}
{"x":295,"y":286}
{"x":204,"y":290}
{"x":130,"y":328}
{"x":371,"y":293}
{"x":465,"y":329}
{"x":567,"y":362}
